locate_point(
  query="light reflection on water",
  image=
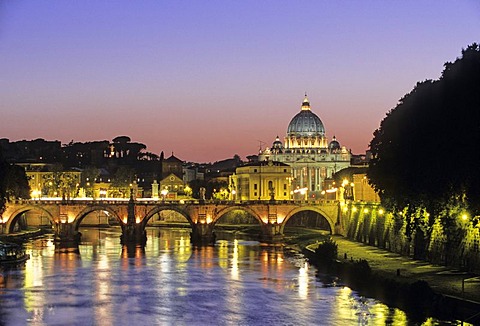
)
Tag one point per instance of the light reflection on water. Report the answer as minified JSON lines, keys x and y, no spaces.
{"x":169,"y":282}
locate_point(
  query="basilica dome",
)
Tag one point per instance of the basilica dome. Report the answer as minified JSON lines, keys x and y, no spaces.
{"x":306,"y":123}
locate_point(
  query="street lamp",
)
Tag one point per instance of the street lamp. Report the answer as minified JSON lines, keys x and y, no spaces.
{"x":103,"y":193}
{"x":164,"y":193}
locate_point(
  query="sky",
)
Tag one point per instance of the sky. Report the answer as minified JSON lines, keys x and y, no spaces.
{"x":210,"y":79}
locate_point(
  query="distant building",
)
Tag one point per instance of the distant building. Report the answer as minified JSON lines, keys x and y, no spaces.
{"x":263,"y":180}
{"x":172,"y":165}
{"x":45,"y":181}
{"x":171,"y":186}
{"x":362,"y":190}
{"x":306,"y":149}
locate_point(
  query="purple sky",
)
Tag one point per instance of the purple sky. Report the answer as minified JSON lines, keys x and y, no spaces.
{"x":210,"y":79}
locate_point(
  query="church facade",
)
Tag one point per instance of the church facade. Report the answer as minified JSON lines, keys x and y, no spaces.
{"x":306,"y":149}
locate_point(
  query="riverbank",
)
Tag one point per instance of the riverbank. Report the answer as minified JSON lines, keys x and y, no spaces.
{"x":22,"y":235}
{"x":456,"y":293}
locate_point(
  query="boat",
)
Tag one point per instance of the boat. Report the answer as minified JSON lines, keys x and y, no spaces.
{"x":12,"y":254}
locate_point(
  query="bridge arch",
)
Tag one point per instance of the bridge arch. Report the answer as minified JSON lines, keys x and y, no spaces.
{"x":326,"y":216}
{"x":90,"y":209}
{"x":228,"y":209}
{"x":160,"y":208}
{"x":14,"y":216}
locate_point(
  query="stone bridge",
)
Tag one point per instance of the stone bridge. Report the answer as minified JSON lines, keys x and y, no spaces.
{"x":133,"y":215}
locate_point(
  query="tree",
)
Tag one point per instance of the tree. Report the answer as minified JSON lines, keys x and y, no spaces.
{"x":13,"y":183}
{"x":123,"y":181}
{"x":425,"y":151}
{"x":89,"y":176}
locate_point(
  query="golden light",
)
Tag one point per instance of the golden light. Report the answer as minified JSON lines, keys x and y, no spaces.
{"x":209,"y":219}
{"x":345,"y":182}
{"x":464,"y":216}
{"x":380,"y":211}
{"x":137,"y":220}
{"x":35,"y":193}
{"x":124,"y":220}
{"x":302,"y":191}
{"x":345,"y":209}
{"x":354,"y":209}
{"x":365,"y":210}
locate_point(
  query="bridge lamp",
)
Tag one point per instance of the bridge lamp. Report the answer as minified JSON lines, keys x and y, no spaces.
{"x":381,"y":211}
{"x":365,"y":210}
{"x":36,"y":194}
{"x":164,"y":193}
{"x":103,"y":193}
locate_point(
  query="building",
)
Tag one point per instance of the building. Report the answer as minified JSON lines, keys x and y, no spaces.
{"x":306,"y":149}
{"x":363,"y":191}
{"x":47,"y":180}
{"x":264,"y":180}
{"x":172,"y":165}
{"x":171,"y":186}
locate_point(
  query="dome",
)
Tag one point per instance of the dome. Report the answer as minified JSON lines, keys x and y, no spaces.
{"x":306,"y":123}
{"x":334,"y":144}
{"x":277,"y":144}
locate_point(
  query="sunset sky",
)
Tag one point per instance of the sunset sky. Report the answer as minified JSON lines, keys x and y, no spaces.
{"x":210,"y":79}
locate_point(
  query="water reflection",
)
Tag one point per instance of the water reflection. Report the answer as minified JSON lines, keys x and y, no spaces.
{"x":168,"y":281}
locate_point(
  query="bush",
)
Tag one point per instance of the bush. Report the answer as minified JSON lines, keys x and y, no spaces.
{"x":327,"y":251}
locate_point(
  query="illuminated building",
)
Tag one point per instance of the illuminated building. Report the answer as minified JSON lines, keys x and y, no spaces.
{"x":171,"y":186}
{"x":306,"y":149}
{"x":263,"y":180}
{"x":45,"y":181}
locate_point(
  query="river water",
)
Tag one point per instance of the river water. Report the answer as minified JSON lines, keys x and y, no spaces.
{"x":236,"y":282}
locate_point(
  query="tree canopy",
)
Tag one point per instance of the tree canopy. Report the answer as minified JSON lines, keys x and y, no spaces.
{"x":425,"y":152}
{"x":13,"y":182}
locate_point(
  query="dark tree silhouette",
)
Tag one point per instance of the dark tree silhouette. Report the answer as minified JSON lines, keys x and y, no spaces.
{"x":425,"y":153}
{"x":13,"y":183}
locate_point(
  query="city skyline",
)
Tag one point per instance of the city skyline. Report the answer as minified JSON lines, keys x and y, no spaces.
{"x":210,"y":80}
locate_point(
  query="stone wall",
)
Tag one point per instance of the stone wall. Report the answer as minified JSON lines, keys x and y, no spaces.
{"x":450,"y":240}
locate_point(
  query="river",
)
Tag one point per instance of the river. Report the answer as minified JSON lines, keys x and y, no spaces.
{"x":236,"y":282}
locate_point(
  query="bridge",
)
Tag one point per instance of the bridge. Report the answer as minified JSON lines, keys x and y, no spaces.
{"x":133,"y":215}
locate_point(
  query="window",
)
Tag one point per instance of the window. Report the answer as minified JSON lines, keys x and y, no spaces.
{"x":255,"y":186}
{"x":284,"y":186}
{"x":254,"y":170}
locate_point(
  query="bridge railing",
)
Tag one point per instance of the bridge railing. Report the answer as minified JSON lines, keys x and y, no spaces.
{"x":151,"y":201}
